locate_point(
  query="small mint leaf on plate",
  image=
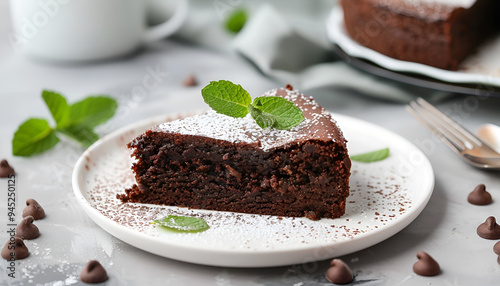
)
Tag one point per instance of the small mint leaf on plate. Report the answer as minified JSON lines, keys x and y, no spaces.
{"x":32,"y":137}
{"x":182,"y":223}
{"x":91,"y":111}
{"x":227,"y":98}
{"x":373,"y":156}
{"x":58,"y":107}
{"x":236,"y":20}
{"x":277,"y":111}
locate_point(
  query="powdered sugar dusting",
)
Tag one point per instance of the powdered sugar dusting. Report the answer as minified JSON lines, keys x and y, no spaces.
{"x":317,"y":125}
{"x":237,"y":130}
{"x":433,"y":10}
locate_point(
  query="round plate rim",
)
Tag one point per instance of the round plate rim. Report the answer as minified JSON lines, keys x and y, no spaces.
{"x":233,"y":258}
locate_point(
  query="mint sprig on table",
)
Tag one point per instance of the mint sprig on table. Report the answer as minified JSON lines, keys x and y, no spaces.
{"x":76,"y":121}
{"x":182,"y":223}
{"x":372,"y":156}
{"x":231,"y":99}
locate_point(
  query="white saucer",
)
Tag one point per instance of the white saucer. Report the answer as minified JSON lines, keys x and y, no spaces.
{"x":385,"y":197}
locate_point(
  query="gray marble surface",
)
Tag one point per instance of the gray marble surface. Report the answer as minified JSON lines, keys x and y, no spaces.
{"x":446,"y":228}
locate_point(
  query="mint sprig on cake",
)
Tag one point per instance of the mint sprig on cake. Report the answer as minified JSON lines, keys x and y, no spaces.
{"x":231,"y":99}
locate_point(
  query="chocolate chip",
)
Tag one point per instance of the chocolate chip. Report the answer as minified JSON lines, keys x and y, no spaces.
{"x":15,"y":249}
{"x":93,"y":272}
{"x":288,"y":86}
{"x":5,"y":169}
{"x":26,"y":229}
{"x":339,"y":272}
{"x":489,"y":229}
{"x":310,"y":148}
{"x":480,"y":196}
{"x":190,"y":81}
{"x":347,"y":162}
{"x":496,"y":248}
{"x":233,"y":172}
{"x":426,"y":265}
{"x":33,"y":209}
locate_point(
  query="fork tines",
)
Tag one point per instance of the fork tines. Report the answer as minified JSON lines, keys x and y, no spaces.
{"x":448,"y":130}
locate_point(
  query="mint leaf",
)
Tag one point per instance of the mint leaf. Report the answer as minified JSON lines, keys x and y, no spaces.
{"x":84,"y":136}
{"x":230,"y":99}
{"x":76,"y":121}
{"x":262,"y":119}
{"x":182,"y":223}
{"x":227,"y":98}
{"x":373,"y":156}
{"x":91,"y":111}
{"x":276,"y":112}
{"x":32,"y":137}
{"x":236,"y":21}
{"x":58,"y":107}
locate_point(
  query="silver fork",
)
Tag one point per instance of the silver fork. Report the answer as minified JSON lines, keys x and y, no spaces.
{"x":463,"y":142}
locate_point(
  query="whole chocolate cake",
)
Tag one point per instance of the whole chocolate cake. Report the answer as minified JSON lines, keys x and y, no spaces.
{"x":216,"y":162}
{"x":439,"y":33}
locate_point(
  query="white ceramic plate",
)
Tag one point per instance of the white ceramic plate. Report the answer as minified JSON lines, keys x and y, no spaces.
{"x":481,"y":68}
{"x":385,"y":197}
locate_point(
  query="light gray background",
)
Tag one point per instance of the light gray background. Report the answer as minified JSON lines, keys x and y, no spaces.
{"x":446,"y":228}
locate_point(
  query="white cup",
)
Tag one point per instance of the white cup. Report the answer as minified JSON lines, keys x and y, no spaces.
{"x":86,"y":30}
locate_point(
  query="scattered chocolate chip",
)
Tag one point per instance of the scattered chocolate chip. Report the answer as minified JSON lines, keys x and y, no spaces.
{"x":15,"y":249}
{"x":289,"y":86}
{"x":93,"y":272}
{"x":496,"y":248}
{"x":489,"y":229}
{"x":34,"y":209}
{"x":339,"y":272}
{"x":5,"y":169}
{"x":426,"y":265}
{"x":190,"y":81}
{"x":480,"y":196}
{"x":26,"y":229}
{"x":498,"y":259}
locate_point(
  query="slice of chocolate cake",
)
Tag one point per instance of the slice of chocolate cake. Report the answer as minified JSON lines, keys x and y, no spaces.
{"x":216,"y":162}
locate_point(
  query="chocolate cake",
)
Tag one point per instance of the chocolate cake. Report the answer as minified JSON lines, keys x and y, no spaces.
{"x":216,"y":162}
{"x":439,"y":33}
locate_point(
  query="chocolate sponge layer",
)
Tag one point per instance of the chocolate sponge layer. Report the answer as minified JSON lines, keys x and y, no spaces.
{"x":308,"y":179}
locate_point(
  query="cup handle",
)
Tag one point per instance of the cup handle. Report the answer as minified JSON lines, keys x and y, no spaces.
{"x":173,"y":24}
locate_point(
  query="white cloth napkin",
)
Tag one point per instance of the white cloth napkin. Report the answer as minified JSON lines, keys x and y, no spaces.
{"x":288,"y":43}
